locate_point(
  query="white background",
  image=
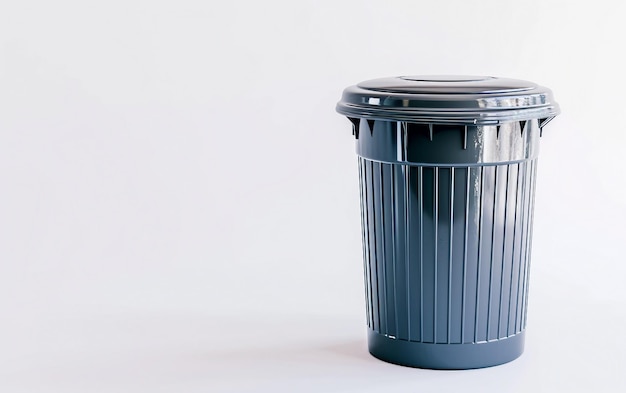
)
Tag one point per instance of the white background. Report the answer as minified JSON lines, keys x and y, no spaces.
{"x":179,"y":199}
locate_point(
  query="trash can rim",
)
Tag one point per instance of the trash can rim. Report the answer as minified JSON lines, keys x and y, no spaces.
{"x":448,"y":99}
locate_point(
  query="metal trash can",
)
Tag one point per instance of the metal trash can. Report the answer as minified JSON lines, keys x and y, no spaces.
{"x":447,"y":168}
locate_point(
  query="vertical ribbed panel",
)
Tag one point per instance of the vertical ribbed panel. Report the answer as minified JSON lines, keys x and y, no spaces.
{"x":446,"y":250}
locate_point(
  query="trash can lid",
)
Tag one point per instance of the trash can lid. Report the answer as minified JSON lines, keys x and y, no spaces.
{"x":448,"y":99}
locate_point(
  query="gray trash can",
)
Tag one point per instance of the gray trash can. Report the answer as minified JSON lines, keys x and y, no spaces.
{"x":447,"y":178}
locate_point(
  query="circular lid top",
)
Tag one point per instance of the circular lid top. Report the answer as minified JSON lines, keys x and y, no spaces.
{"x":448,"y":99}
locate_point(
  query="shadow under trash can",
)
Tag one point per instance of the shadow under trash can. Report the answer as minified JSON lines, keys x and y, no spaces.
{"x":447,"y":168}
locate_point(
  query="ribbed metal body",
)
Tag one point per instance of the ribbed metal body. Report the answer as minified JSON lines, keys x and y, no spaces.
{"x":447,"y":230}
{"x":446,"y":250}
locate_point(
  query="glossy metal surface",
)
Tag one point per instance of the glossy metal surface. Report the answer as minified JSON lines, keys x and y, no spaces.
{"x":446,"y":144}
{"x":453,"y":100}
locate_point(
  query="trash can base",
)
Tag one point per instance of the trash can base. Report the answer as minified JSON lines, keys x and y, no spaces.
{"x":445,"y":356}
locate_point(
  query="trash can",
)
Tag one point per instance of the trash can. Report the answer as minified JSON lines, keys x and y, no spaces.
{"x":447,"y":168}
